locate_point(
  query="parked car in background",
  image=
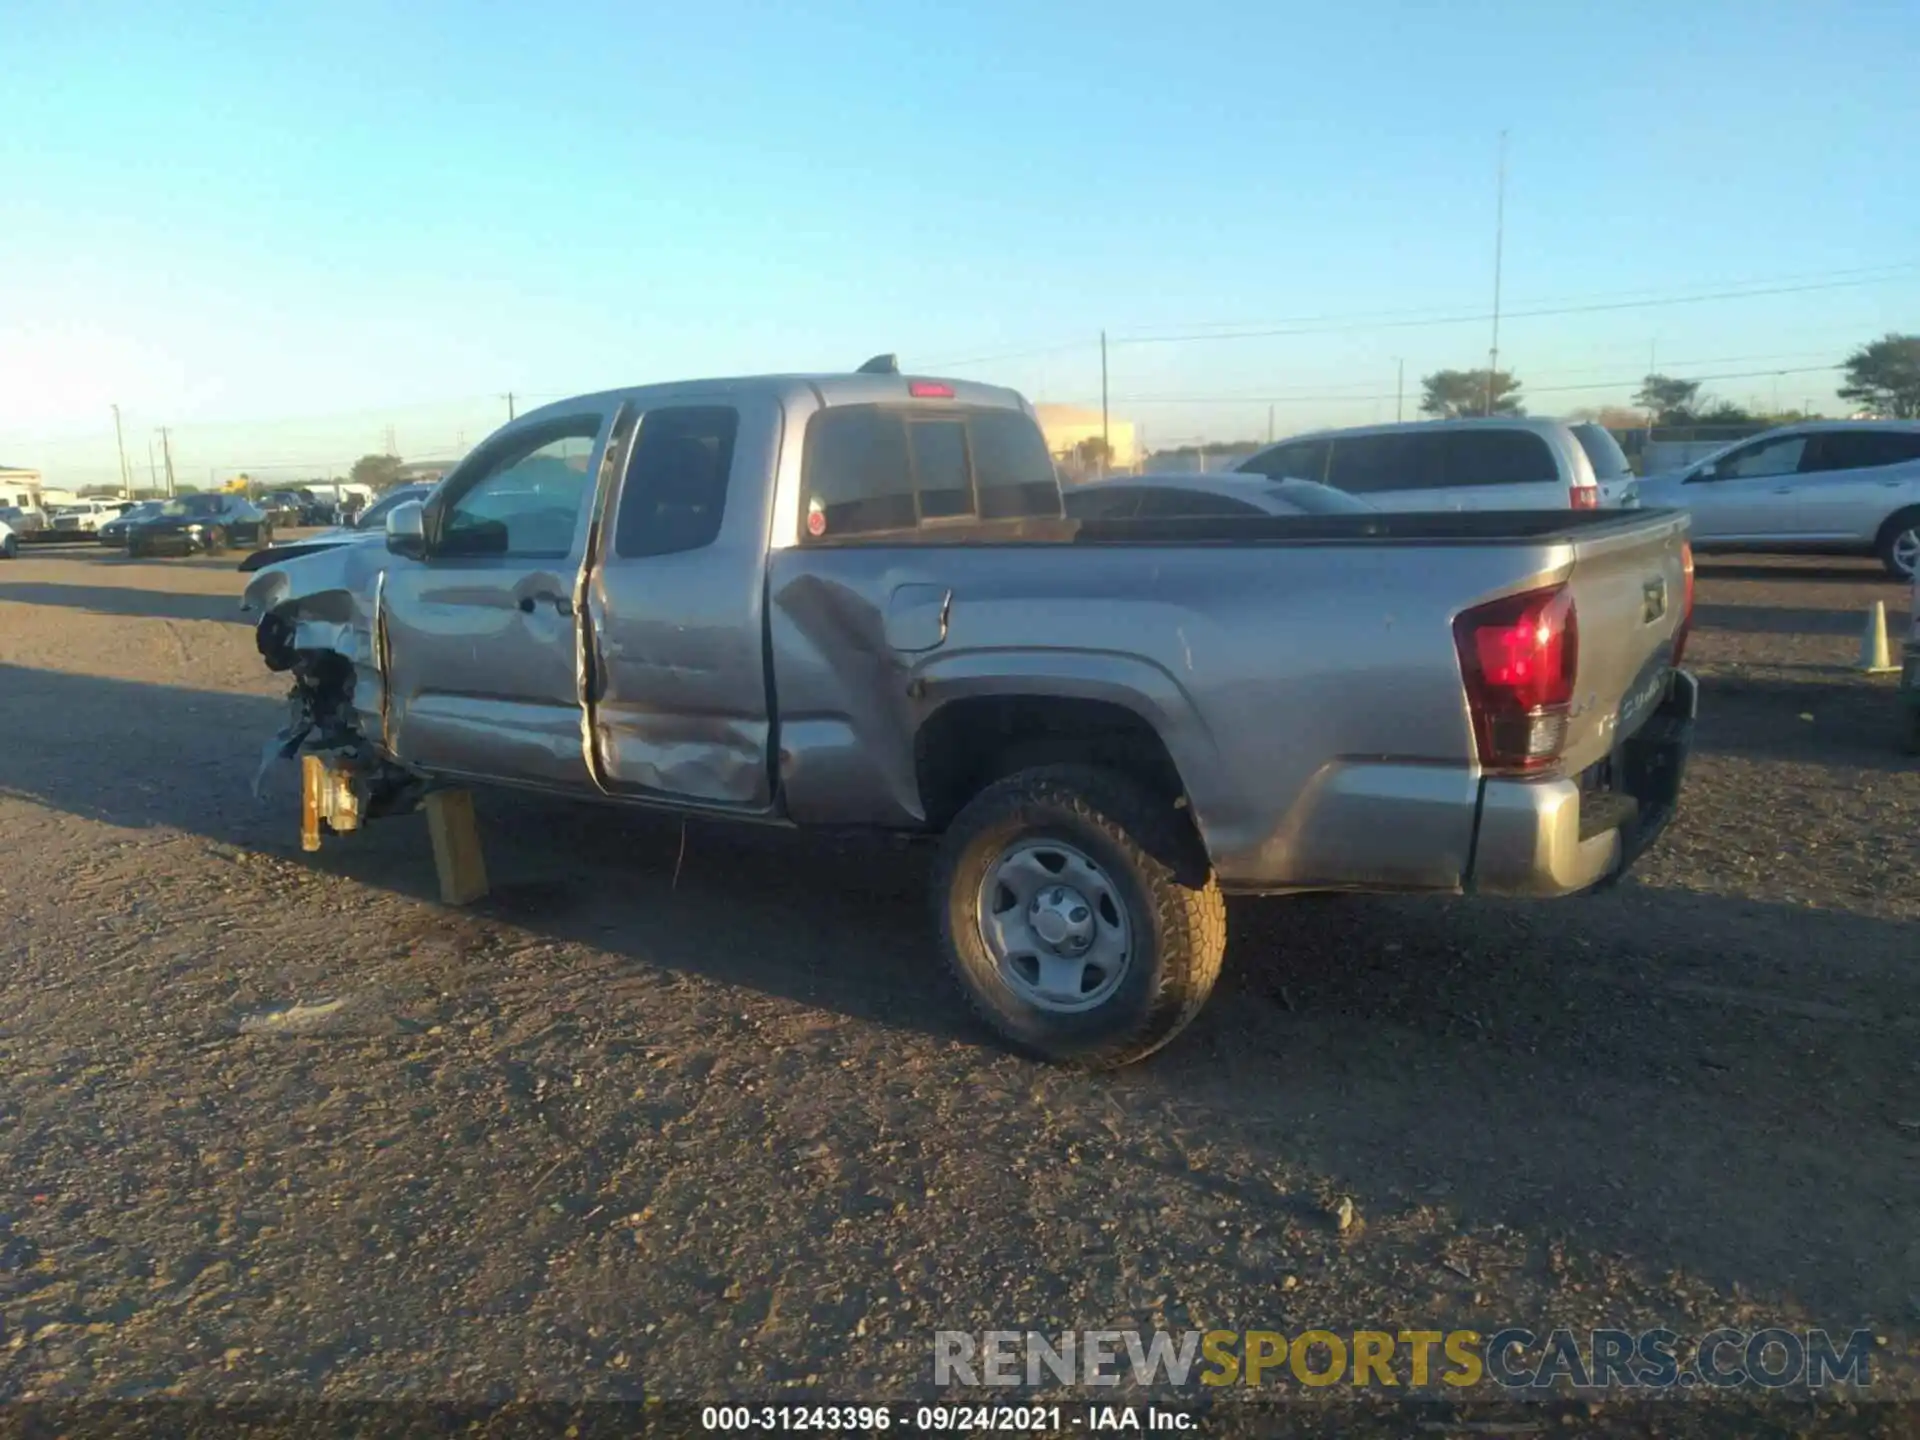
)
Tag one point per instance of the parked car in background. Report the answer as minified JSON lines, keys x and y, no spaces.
{"x":82,"y":518}
{"x":27,"y":522}
{"x":854,"y":601}
{"x":9,"y":542}
{"x":369,"y":524}
{"x":114,"y":531}
{"x":1514,"y":463}
{"x":1183,"y":495}
{"x":285,"y":507}
{"x":203,"y":523}
{"x":1847,"y":486}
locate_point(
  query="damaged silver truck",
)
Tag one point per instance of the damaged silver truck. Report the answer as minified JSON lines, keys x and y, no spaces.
{"x":853,"y":601}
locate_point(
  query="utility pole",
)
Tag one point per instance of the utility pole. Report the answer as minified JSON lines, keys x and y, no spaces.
{"x":153,"y":476}
{"x":1399,"y":390}
{"x":508,"y":397}
{"x":1499,"y":240}
{"x":392,"y":445}
{"x":1106,"y":440}
{"x":166,"y":451}
{"x":1269,"y":424}
{"x":120,"y":444}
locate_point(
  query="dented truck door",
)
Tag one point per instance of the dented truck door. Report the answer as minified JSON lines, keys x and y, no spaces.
{"x":676,"y":671}
{"x":481,"y":650}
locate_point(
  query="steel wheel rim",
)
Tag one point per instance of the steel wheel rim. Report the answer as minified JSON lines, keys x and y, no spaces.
{"x":1906,"y":550}
{"x":1055,"y":924}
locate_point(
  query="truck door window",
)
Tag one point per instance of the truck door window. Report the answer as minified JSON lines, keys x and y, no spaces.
{"x":676,"y":487}
{"x":527,"y":500}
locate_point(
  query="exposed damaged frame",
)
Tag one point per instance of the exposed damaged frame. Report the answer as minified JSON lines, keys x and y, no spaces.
{"x":344,"y":777}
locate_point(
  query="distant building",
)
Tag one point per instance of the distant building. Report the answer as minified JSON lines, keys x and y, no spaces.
{"x":1067,"y":427}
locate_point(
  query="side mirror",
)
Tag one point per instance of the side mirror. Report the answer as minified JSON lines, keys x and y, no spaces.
{"x":407,"y":530}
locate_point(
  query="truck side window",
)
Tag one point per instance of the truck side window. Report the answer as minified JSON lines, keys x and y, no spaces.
{"x":676,"y":488}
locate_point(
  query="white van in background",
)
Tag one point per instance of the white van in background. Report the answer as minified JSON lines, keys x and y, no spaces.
{"x":1506,"y":463}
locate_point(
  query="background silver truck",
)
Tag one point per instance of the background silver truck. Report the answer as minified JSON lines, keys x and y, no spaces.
{"x":853,"y":600}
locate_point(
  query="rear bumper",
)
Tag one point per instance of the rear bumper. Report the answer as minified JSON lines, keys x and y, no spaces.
{"x":1553,"y":837}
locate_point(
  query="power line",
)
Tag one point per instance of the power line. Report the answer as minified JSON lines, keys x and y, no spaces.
{"x":1330,"y":399}
{"x":1331,"y":392}
{"x":1476,"y":319}
{"x":1357,"y":321}
{"x":1866,"y":274}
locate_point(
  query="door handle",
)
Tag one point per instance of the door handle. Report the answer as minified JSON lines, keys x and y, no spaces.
{"x":559,"y":602}
{"x":1784,"y":490}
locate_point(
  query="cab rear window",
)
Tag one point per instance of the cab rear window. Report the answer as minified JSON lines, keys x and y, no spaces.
{"x":876,"y":468}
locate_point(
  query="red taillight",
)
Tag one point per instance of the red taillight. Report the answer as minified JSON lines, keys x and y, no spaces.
{"x":1584,"y":497}
{"x":929,"y":390}
{"x":1686,"y":602}
{"x":1518,"y":658}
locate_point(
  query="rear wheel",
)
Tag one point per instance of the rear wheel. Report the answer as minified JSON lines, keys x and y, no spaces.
{"x":216,"y":540}
{"x":1079,"y":915}
{"x":10,"y":548}
{"x":1899,"y":546}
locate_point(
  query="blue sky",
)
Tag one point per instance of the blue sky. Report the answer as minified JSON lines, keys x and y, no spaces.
{"x":281,"y":230}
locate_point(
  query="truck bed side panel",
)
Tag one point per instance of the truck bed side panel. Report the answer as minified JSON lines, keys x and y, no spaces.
{"x":1335,"y":745}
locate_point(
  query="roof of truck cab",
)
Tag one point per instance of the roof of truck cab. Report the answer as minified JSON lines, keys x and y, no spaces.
{"x":827,"y":389}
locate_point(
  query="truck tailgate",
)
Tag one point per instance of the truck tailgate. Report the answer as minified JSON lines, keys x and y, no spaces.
{"x":1630,"y":597}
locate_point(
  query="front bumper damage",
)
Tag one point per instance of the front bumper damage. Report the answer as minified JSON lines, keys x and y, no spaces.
{"x":345,"y":779}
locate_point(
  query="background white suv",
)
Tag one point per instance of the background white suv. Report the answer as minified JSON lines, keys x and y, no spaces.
{"x":1499,"y":464}
{"x":85,"y":517}
{"x":1845,"y":485}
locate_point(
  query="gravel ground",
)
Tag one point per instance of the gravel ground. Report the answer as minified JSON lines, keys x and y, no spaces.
{"x":694,"y":1113}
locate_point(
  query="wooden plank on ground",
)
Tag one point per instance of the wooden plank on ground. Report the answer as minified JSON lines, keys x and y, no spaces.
{"x":313,"y":779}
{"x":457,"y":858}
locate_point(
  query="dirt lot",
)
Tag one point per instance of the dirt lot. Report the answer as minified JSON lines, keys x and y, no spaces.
{"x":699,"y":1115}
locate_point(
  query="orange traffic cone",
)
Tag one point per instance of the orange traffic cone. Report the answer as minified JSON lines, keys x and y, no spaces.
{"x":1876,"y":656}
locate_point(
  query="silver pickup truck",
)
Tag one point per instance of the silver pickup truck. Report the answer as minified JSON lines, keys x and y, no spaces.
{"x":854,"y":600}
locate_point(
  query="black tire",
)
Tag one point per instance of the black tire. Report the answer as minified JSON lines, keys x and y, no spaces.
{"x":1154,"y":862}
{"x":10,"y":548}
{"x":1900,"y":535}
{"x":216,"y":541}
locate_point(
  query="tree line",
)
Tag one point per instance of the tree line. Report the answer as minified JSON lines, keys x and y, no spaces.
{"x":1882,"y":377}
